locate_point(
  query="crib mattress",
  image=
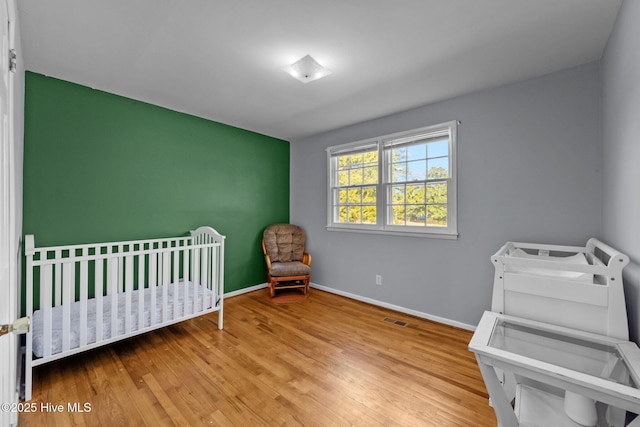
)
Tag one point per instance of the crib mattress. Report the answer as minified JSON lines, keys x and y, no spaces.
{"x":204,"y":297}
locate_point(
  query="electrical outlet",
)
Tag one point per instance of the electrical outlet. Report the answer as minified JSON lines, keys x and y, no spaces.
{"x":378,"y":279}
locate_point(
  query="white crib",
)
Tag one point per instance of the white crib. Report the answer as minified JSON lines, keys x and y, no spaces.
{"x":95,"y":294}
{"x":571,"y":286}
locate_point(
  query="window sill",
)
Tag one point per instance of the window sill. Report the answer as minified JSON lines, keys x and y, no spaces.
{"x":446,"y":236}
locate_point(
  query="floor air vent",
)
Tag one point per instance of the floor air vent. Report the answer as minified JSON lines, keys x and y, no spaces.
{"x":394,"y":321}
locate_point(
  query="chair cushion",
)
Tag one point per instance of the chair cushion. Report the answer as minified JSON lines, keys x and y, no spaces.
{"x":292,"y":268}
{"x":284,"y":242}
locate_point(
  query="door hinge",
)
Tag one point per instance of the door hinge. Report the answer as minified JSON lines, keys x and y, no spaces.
{"x":13,"y":60}
{"x":20,"y":326}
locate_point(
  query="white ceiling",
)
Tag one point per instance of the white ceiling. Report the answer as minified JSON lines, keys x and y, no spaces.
{"x":223,"y":59}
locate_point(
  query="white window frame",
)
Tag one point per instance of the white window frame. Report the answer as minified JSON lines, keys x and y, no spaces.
{"x":382,"y":226}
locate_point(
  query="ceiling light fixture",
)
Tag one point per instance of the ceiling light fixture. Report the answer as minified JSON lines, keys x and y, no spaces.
{"x":307,"y":69}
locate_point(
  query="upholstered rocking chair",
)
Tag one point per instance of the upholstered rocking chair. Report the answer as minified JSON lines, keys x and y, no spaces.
{"x":288,"y":265}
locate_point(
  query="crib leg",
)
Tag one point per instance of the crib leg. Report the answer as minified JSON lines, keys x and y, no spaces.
{"x":28,"y":376}
{"x":220,"y":316}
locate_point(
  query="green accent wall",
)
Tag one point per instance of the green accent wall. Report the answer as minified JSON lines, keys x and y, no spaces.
{"x":101,"y":167}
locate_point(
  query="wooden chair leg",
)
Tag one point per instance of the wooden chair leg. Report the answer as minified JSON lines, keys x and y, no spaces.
{"x":288,"y":283}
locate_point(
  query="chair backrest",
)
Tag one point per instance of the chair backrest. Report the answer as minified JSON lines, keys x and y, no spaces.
{"x":284,"y":242}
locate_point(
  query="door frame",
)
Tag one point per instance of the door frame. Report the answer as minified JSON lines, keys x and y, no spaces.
{"x":10,"y":215}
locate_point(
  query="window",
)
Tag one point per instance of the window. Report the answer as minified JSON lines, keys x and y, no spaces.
{"x":403,"y":183}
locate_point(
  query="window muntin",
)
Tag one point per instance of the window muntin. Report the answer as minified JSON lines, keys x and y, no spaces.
{"x":404,"y":182}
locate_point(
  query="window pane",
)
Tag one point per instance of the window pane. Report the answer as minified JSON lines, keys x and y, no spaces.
{"x":437,"y":215}
{"x":417,"y":152}
{"x":343,"y":178}
{"x":342,"y":214}
{"x":399,"y":154}
{"x":356,"y":159}
{"x":416,"y":215}
{"x":369,"y":195}
{"x":355,"y":196}
{"x":415,"y":194}
{"x":343,"y":162}
{"x":342,"y":196}
{"x":371,"y":175}
{"x":371,"y":158}
{"x":439,"y":168}
{"x":397,"y":194}
{"x":369,"y":215}
{"x":438,"y":148}
{"x":417,"y":170}
{"x":354,"y":214}
{"x":399,"y":172}
{"x":437,"y":193}
{"x":355,"y":177}
{"x":397,"y":215}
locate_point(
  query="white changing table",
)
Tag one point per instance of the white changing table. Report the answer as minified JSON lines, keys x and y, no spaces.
{"x":548,"y":360}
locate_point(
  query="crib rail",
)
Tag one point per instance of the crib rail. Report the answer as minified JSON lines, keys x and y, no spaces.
{"x":131,"y":286}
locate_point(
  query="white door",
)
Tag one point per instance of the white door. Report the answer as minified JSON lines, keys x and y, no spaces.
{"x":9,"y":240}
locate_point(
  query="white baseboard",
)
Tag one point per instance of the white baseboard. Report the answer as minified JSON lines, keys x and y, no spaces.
{"x":367,"y":300}
{"x":396,"y":308}
{"x":245,"y":290}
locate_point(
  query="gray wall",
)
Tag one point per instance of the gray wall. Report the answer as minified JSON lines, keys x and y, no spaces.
{"x":621,"y":150}
{"x":529,"y":170}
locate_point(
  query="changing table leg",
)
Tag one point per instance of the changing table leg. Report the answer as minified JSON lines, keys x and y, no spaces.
{"x":499,"y":401}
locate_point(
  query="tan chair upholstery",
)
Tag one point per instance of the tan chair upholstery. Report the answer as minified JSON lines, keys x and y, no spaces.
{"x":288,"y":265}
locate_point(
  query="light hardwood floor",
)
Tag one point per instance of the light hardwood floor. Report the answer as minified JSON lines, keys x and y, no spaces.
{"x":327,"y":361}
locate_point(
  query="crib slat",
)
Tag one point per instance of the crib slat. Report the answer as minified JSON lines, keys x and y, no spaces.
{"x":141,"y":270}
{"x":186,"y":278}
{"x":199,"y":300}
{"x":84,"y":296}
{"x":120,"y":269}
{"x":209,"y":279}
{"x":128,"y":289}
{"x":176,"y":279}
{"x":99,"y":290}
{"x":206,"y":253}
{"x":196,"y":278}
{"x":212,"y":265}
{"x":196,"y":273}
{"x":58,"y":284}
{"x":166,"y":279}
{"x":153,"y":265}
{"x":112,"y":291}
{"x":68,"y":296}
{"x":46,"y":273}
{"x":159,"y":266}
